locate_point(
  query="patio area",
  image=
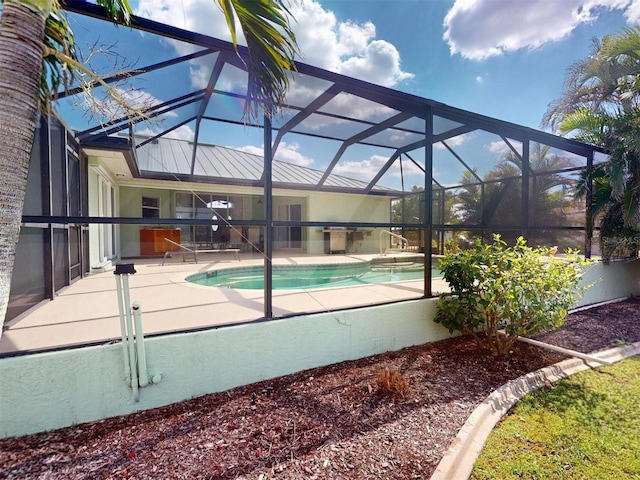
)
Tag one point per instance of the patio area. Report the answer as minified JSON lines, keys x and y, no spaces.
{"x":86,"y":312}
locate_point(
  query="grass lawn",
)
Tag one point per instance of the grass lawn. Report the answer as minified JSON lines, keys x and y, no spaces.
{"x":584,"y":427}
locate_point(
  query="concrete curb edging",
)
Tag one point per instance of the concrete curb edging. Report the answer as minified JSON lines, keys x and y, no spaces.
{"x":457,"y":463}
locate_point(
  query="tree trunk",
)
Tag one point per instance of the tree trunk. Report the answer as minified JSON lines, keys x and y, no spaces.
{"x":21,"y":40}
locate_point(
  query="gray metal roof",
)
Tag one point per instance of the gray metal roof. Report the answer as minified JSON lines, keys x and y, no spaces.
{"x":165,"y":158}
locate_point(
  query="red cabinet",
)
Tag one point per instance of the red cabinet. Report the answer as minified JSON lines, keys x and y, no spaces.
{"x":152,"y":241}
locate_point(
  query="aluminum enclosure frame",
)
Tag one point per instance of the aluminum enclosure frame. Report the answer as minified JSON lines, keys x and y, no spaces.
{"x":428,"y":114}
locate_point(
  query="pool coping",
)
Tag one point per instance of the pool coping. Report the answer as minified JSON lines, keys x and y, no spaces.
{"x":185,"y":278}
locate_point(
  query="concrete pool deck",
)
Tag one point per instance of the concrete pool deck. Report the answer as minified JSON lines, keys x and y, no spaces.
{"x":86,"y":312}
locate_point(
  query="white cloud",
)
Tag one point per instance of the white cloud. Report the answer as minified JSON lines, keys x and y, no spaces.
{"x":368,"y":168}
{"x":378,"y":63}
{"x":479,"y":80}
{"x":184,"y":132}
{"x":203,"y":16}
{"x":345,"y":47}
{"x":479,"y":29}
{"x":455,"y":141}
{"x":500,"y":147}
{"x":632,"y":13}
{"x":286,"y":153}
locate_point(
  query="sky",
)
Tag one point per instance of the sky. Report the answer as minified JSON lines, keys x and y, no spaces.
{"x":501,"y":58}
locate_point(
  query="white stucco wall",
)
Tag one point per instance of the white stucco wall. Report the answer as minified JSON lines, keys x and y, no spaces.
{"x":616,"y":280}
{"x":94,"y":229}
{"x":51,"y":390}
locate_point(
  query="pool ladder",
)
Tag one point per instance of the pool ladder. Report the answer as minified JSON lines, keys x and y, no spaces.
{"x":404,"y":243}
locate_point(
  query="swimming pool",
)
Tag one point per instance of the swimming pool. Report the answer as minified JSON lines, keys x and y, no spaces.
{"x":314,"y":276}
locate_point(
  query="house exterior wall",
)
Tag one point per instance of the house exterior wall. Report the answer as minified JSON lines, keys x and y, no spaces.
{"x":316,"y":206}
{"x":332,"y":207}
{"x":94,"y":230}
{"x":131,"y":206}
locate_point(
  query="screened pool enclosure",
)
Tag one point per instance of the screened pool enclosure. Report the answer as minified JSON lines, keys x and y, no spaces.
{"x":346,"y":168}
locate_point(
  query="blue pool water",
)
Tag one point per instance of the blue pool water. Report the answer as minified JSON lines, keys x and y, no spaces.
{"x":313,"y":276}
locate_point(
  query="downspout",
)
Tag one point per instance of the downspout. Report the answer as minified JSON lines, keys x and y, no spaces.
{"x":143,"y":377}
{"x":565,"y":351}
{"x":122,"y":272}
{"x":131,"y":341}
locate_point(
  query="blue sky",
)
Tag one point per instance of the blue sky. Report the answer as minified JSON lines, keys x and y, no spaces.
{"x":501,"y":58}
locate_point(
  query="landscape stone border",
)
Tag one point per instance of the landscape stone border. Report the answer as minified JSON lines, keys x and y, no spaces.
{"x":457,"y":462}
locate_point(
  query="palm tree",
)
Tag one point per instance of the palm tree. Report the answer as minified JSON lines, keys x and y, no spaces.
{"x":616,"y":238}
{"x":497,"y":199}
{"x":36,"y":51}
{"x":601,"y":105}
{"x":613,"y":185}
{"x":606,"y":81}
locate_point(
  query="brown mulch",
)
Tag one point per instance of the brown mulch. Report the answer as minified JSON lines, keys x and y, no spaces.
{"x":332,"y":422}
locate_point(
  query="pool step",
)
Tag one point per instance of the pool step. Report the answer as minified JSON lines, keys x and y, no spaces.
{"x":377,"y":267}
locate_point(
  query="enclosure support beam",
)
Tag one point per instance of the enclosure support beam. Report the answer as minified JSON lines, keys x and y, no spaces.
{"x":588,"y":231}
{"x":213,"y":79}
{"x":268,"y":217}
{"x":428,"y":198}
{"x":526,"y":169}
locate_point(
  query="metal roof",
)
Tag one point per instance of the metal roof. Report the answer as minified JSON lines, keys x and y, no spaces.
{"x":165,"y":158}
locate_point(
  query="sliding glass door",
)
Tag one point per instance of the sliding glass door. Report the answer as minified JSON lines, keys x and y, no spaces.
{"x":289,"y":237}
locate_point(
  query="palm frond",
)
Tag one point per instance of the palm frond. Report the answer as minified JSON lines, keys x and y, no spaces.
{"x":272,"y":47}
{"x":591,"y":126}
{"x":625,"y":44}
{"x":118,"y":10}
{"x":59,"y":37}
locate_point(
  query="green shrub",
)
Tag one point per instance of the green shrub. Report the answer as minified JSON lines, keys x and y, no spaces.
{"x":505,"y":292}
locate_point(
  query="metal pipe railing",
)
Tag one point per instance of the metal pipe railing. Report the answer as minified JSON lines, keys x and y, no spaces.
{"x":393,"y":235}
{"x":143,"y":376}
{"x":166,"y":254}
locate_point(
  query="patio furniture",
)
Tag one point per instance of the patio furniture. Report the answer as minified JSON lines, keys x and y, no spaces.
{"x":193,"y":252}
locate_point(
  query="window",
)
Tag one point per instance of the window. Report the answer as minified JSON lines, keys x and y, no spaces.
{"x":150,"y":207}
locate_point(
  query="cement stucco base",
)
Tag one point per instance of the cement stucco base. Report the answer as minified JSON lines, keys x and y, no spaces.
{"x":58,"y":389}
{"x":616,"y":280}
{"x":52,"y":390}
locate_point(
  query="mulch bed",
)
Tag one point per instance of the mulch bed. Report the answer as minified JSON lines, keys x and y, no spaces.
{"x":333,"y":422}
